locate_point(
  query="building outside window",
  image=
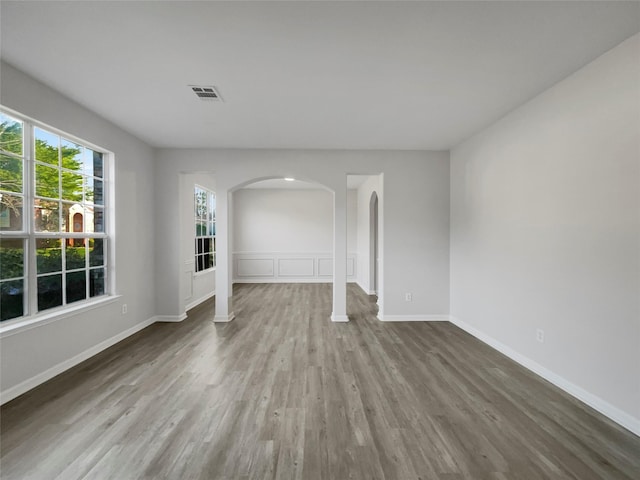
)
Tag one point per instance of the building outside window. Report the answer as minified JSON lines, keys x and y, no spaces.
{"x":53,"y":235}
{"x":205,"y":227}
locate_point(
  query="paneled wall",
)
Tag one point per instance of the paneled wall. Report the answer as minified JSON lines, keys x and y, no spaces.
{"x":286,"y":235}
{"x":196,"y":287}
{"x":285,"y":267}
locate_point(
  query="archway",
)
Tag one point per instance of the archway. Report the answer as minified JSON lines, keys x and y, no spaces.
{"x":78,"y":221}
{"x":225,"y":187}
{"x":282,"y":232}
{"x":374,"y":256}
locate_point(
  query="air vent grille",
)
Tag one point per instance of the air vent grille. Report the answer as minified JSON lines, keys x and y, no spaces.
{"x":207,"y":93}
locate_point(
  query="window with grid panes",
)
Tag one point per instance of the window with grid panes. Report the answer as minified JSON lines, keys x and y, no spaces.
{"x":53,"y":238}
{"x":205,"y":223}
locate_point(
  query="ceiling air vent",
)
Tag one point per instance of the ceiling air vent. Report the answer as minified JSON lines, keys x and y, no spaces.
{"x":206,"y":92}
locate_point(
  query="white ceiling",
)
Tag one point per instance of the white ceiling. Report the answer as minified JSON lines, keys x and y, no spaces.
{"x":341,"y":75}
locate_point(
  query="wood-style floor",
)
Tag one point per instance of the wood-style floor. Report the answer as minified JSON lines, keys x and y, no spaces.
{"x":283,"y":393}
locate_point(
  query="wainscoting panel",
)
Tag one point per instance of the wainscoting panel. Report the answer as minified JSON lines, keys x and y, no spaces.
{"x":351,"y":266}
{"x":254,"y":267}
{"x":282,"y":267}
{"x":189,"y":267}
{"x":296,"y":267}
{"x":325,"y":266}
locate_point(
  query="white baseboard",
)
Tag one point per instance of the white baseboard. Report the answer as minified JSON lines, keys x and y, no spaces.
{"x":224,"y":318}
{"x":413,"y":318}
{"x":620,"y":417}
{"x":170,"y":318}
{"x":365,"y":290}
{"x":288,"y":280}
{"x":339,"y":318}
{"x":198,"y":301}
{"x":48,"y":374}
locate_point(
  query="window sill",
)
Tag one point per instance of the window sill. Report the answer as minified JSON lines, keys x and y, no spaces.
{"x":204,"y":272}
{"x":41,"y":319}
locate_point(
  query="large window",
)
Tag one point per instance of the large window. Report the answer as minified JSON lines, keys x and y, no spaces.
{"x":53,"y":238}
{"x":205,"y":222}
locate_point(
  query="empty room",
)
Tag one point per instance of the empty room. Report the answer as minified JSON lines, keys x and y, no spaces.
{"x":320,"y":240}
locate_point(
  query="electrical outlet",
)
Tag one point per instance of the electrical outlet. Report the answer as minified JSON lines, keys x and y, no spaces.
{"x":124,"y":308}
{"x":408,"y":297}
{"x":540,"y":335}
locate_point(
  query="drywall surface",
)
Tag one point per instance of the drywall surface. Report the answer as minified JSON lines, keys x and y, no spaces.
{"x":281,"y":220}
{"x":415,"y":207}
{"x":365,"y":191}
{"x":33,"y":355}
{"x":545,"y":210}
{"x":197,"y":286}
{"x":286,"y":235}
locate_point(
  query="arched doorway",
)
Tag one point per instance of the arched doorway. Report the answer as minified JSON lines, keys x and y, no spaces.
{"x":374,"y":257}
{"x":334,"y":265}
{"x":77,"y":222}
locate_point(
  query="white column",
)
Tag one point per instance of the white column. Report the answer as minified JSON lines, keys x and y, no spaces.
{"x":340,"y":254}
{"x":381,"y":250}
{"x":224,"y":293}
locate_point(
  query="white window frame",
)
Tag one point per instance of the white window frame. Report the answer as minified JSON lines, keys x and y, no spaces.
{"x":211,"y":207}
{"x":31,"y":316}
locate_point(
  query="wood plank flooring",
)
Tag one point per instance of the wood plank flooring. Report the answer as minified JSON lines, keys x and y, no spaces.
{"x":283,"y":393}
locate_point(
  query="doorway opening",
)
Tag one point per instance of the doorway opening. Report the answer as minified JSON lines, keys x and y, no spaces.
{"x":374,"y":252}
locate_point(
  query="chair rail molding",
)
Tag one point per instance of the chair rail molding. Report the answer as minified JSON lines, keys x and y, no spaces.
{"x":288,"y":267}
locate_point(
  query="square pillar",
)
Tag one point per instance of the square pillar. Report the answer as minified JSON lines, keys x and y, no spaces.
{"x":224,"y":285}
{"x":340,"y":254}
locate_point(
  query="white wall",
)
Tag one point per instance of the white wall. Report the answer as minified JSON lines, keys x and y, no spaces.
{"x":196,"y":287}
{"x":415,"y":209}
{"x":286,"y":235}
{"x":372,"y":184}
{"x":34,"y":355}
{"x":274,"y":220}
{"x":546,"y":233}
{"x":416,"y":217}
